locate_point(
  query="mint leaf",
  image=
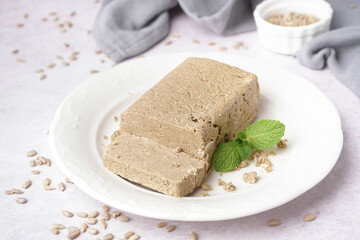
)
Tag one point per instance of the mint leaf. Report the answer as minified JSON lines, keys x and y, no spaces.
{"x":226,"y":156}
{"x":240,"y":135}
{"x":264,"y":133}
{"x":245,"y":150}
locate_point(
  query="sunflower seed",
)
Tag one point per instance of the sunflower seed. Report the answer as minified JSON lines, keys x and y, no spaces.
{"x":65,"y":64}
{"x":82,"y":214}
{"x":273,"y":223}
{"x":211,"y":43}
{"x":105,"y":216}
{"x":44,"y":19}
{"x":59,"y":57}
{"x":103,"y":224}
{"x":66,"y":45}
{"x":123,"y":218}
{"x":9,"y":192}
{"x":72,"y":58}
{"x":15,"y":51}
{"x":59,"y":25}
{"x":49,"y":188}
{"x":25,"y":15}
{"x":26,"y":184}
{"x":91,"y":221}
{"x":19,"y":25}
{"x":32,"y":163}
{"x":72,"y":229}
{"x":69,"y":24}
{"x":105,"y":208}
{"x":20,"y":60}
{"x":93,"y":214}
{"x":46,"y":182}
{"x":58,"y":226}
{"x":115,"y":214}
{"x":196,"y":41}
{"x":51,"y":65}
{"x":193,"y":236}
{"x":35,"y":172}
{"x":55,"y":19}
{"x":52,"y":13}
{"x":102,"y":60}
{"x":39,"y":70}
{"x":108,"y":236}
{"x":128,"y":235}
{"x":97,"y":52}
{"x":61,"y":186}
{"x":92,"y":231}
{"x":93,"y":71}
{"x":83,"y":227}
{"x":135,"y":237}
{"x":17,"y":191}
{"x":222,"y":48}
{"x":67,"y":213}
{"x":54,"y":231}
{"x":162,"y":224}
{"x":72,"y":14}
{"x":73,"y":235}
{"x":170,"y":228}
{"x":309,"y":217}
{"x":47,"y":162}
{"x":167,"y":43}
{"x":68,"y":181}
{"x":175,"y":36}
{"x":75,"y":53}
{"x":42,"y":76}
{"x":21,"y":200}
{"x":88,"y":32}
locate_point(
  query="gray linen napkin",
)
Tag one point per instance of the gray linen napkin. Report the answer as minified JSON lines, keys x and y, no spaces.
{"x":338,"y":49}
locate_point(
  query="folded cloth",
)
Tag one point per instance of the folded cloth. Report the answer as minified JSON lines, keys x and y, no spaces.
{"x":125,"y":28}
{"x":340,"y":51}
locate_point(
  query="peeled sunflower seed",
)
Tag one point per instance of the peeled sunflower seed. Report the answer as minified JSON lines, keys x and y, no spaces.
{"x":91,"y":221}
{"x":82,"y":214}
{"x":105,"y":216}
{"x":128,"y":235}
{"x":83,"y":227}
{"x":170,"y":228}
{"x":105,"y":208}
{"x":93,"y":214}
{"x":103,"y":224}
{"x":115,"y":214}
{"x":108,"y":236}
{"x":193,"y":236}
{"x":31,"y":153}
{"x":54,"y":231}
{"x":58,"y":226}
{"x":123,"y":218}
{"x":21,"y":200}
{"x":27,"y":184}
{"x":17,"y":191}
{"x":134,"y":237}
{"x":61,"y":186}
{"x":67,"y":213}
{"x":92,"y":231}
{"x":72,"y":229}
{"x":73,"y":235}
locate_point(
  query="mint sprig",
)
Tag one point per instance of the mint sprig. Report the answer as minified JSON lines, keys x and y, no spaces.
{"x":258,"y":135}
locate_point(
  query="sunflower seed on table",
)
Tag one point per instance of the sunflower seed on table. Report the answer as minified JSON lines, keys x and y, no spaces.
{"x":92,"y":231}
{"x":55,"y":19}
{"x":94,"y":71}
{"x":105,"y":216}
{"x":83,"y":227}
{"x":65,"y":64}
{"x":68,"y":181}
{"x":46,"y":182}
{"x":21,"y":200}
{"x":61,"y":186}
{"x":162,"y":224}
{"x":52,"y":13}
{"x":73,"y":235}
{"x":69,"y":24}
{"x":72,"y":229}
{"x":128,"y":235}
{"x":32,"y":163}
{"x":135,"y":237}
{"x":20,"y":60}
{"x":82,"y":214}
{"x":51,"y":65}
{"x":72,"y":14}
{"x":72,"y":58}
{"x":49,"y":188}
{"x":35,"y":172}
{"x":15,"y":51}
{"x":75,"y":53}
{"x":273,"y":223}
{"x":17,"y":191}
{"x":103,"y":224}
{"x":108,"y":236}
{"x":170,"y":228}
{"x":44,"y":19}
{"x":42,"y":76}
{"x":309,"y":217}
{"x":93,"y":214}
{"x":66,"y":45}
{"x":31,"y":153}
{"x":9,"y":192}
{"x":58,"y":226}
{"x":19,"y":25}
{"x":97,"y":52}
{"x":105,"y":208}
{"x":54,"y":231}
{"x":67,"y":213}
{"x":193,"y":236}
{"x":123,"y":218}
{"x":40,"y":70}
{"x":167,"y":43}
{"x":115,"y":214}
{"x":91,"y":221}
{"x":27,"y":184}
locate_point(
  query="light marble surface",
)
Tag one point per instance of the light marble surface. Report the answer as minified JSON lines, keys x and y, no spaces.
{"x":27,"y":106}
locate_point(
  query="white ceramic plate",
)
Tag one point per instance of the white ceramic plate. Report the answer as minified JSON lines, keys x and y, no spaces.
{"x":313,"y":129}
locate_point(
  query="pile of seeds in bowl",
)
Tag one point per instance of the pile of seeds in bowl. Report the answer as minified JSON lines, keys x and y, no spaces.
{"x":292,"y":19}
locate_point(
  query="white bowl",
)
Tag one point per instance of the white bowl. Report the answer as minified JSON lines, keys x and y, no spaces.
{"x":289,"y":40}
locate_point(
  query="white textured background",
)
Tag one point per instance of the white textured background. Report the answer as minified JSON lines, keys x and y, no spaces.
{"x":27,"y":106}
